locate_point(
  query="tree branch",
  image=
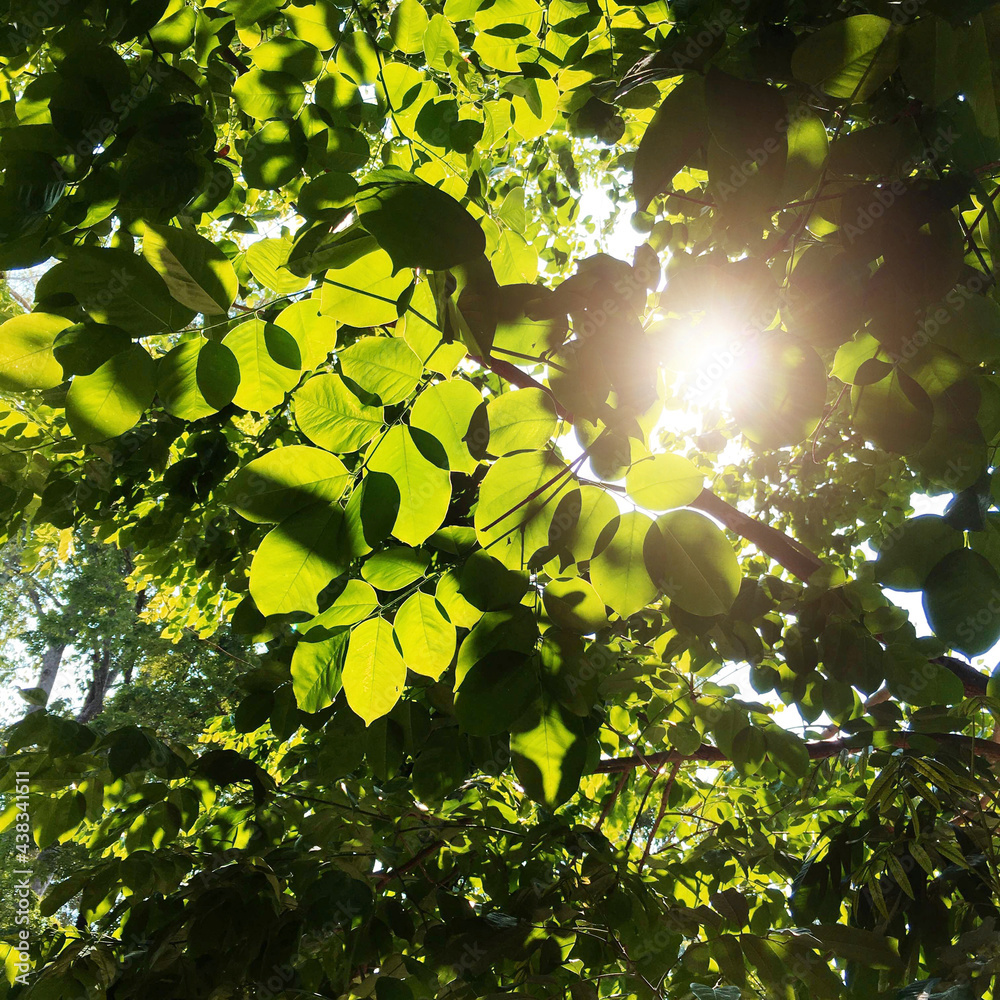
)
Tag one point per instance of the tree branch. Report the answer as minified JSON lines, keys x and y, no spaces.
{"x":784,"y":550}
{"x":402,"y":869}
{"x":972,"y":680}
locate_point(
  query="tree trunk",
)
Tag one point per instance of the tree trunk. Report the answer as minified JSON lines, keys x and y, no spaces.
{"x":102,"y":676}
{"x":51,"y":660}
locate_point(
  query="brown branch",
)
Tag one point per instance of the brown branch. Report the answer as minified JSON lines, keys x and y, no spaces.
{"x":610,"y":804}
{"x":521,"y":379}
{"x":19,"y":299}
{"x":230,"y":57}
{"x":785,"y":551}
{"x":659,"y":815}
{"x":402,"y":869}
{"x":817,"y":751}
{"x":972,"y":680}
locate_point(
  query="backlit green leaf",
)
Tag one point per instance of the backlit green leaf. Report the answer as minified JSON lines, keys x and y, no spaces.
{"x":850,"y":58}
{"x":269,"y":362}
{"x":549,"y":754}
{"x":285,"y":480}
{"x":573,"y":604}
{"x":316,"y":671}
{"x":297,"y":559}
{"x":196,"y":378}
{"x":520,"y":421}
{"x":699,"y":571}
{"x":618,"y":571}
{"x":663,"y":481}
{"x":364,"y":293}
{"x":197,"y":273}
{"x":383,"y":366}
{"x":373,"y":670}
{"x":111,"y":400}
{"x":444,"y":410}
{"x":332,"y":416}
{"x":26,"y":358}
{"x":425,"y":635}
{"x":424,"y":489}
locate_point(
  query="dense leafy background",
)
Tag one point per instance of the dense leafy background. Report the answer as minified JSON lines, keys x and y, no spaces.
{"x":438,"y":580}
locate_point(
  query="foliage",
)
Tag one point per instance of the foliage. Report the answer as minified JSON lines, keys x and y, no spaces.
{"x":327,"y":352}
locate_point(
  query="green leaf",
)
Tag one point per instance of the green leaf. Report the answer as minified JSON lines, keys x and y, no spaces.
{"x":440,"y":44}
{"x":548,"y":754}
{"x":332,"y":416}
{"x":663,"y":482}
{"x":365,"y":292}
{"x":26,"y":358}
{"x":580,"y":517}
{"x":425,"y":635}
{"x":274,"y":155}
{"x":516,"y":502}
{"x":383,"y":366}
{"x":327,"y":196}
{"x":910,"y":551}
{"x":265,"y":94}
{"x":808,"y":148}
{"x":110,"y":401}
{"x":395,"y":568}
{"x":930,"y":64}
{"x":197,"y":272}
{"x":524,"y":420}
{"x":407,"y":26}
{"x":317,"y":23}
{"x":269,"y":363}
{"x":678,"y":129}
{"x":514,"y":629}
{"x":495,"y":692}
{"x":749,"y":749}
{"x":424,"y":489}
{"x":117,"y":288}
{"x":284,"y":54}
{"x":969,"y":326}
{"x":874,"y":951}
{"x":916,"y":680}
{"x":993,"y":684}
{"x":418,"y":225}
{"x":317,"y":668}
{"x":444,"y":410}
{"x":297,"y":559}
{"x":374,"y":672}
{"x":573,"y":604}
{"x":850,"y":58}
{"x":787,"y":751}
{"x":266,"y":259}
{"x":962,"y":602}
{"x":197,"y":378}
{"x":618,"y":570}
{"x":699,"y":572}
{"x":315,"y":333}
{"x":270,"y":488}
{"x":356,"y":602}
{"x":895,"y":413}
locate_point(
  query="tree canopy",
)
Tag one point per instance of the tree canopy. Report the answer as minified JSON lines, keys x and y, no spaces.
{"x":560,"y":591}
